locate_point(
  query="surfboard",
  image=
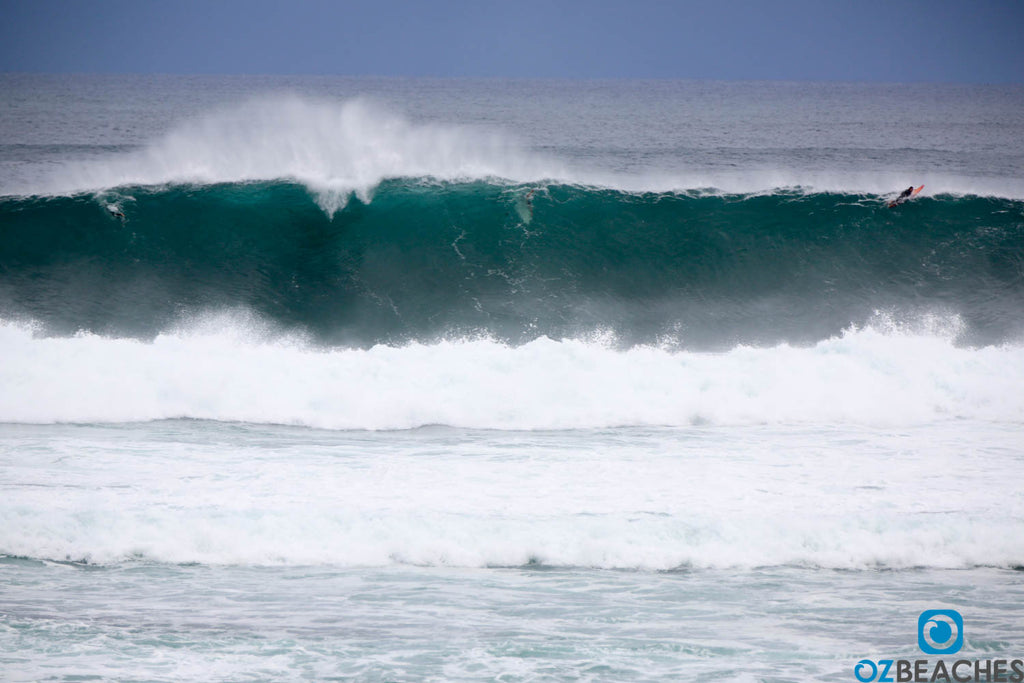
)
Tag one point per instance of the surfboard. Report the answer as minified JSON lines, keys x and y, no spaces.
{"x":897,"y":202}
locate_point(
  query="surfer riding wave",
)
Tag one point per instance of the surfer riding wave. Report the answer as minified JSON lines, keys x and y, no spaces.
{"x":905,"y":195}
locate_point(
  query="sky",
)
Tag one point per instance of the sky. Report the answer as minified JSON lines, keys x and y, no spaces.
{"x":970,"y":41}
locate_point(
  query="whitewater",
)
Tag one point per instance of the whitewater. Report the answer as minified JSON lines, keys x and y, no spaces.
{"x":392,"y":379}
{"x":865,"y":377}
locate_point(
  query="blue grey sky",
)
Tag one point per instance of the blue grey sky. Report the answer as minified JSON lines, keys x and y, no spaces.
{"x":977,"y":41}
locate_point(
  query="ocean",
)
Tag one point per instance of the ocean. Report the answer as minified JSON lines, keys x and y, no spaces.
{"x":317,"y":378}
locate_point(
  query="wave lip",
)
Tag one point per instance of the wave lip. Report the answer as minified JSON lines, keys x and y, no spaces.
{"x":335,"y":149}
{"x":342,"y":148}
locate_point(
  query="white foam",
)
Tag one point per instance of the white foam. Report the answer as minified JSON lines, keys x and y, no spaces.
{"x":941,"y":496}
{"x":337,"y":148}
{"x":224,"y":370}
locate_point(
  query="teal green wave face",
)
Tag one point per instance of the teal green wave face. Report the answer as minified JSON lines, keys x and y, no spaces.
{"x":425,"y":260}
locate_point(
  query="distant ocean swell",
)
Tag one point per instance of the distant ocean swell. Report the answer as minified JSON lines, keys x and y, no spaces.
{"x":426,"y":260}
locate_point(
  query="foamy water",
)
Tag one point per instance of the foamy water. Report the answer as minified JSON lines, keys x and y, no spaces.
{"x":710,"y":496}
{"x":866,"y":377}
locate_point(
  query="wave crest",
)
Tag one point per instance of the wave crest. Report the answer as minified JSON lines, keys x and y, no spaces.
{"x":342,"y":148}
{"x":336,"y":149}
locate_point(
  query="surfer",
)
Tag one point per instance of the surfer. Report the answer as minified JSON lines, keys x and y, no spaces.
{"x":905,"y":195}
{"x":116,"y":213}
{"x":528,"y":200}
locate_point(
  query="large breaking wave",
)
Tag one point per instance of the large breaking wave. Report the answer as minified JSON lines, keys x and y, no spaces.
{"x":426,"y":260}
{"x":273,"y":262}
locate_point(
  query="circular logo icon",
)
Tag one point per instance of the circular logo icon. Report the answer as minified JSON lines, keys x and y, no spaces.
{"x":940,"y":631}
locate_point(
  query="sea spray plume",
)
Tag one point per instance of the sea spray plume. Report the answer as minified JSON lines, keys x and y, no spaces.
{"x":335,"y":149}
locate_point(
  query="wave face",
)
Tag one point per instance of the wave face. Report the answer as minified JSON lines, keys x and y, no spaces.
{"x":422,"y":260}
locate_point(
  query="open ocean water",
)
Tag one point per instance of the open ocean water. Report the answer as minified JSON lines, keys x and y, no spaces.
{"x":401,"y":380}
